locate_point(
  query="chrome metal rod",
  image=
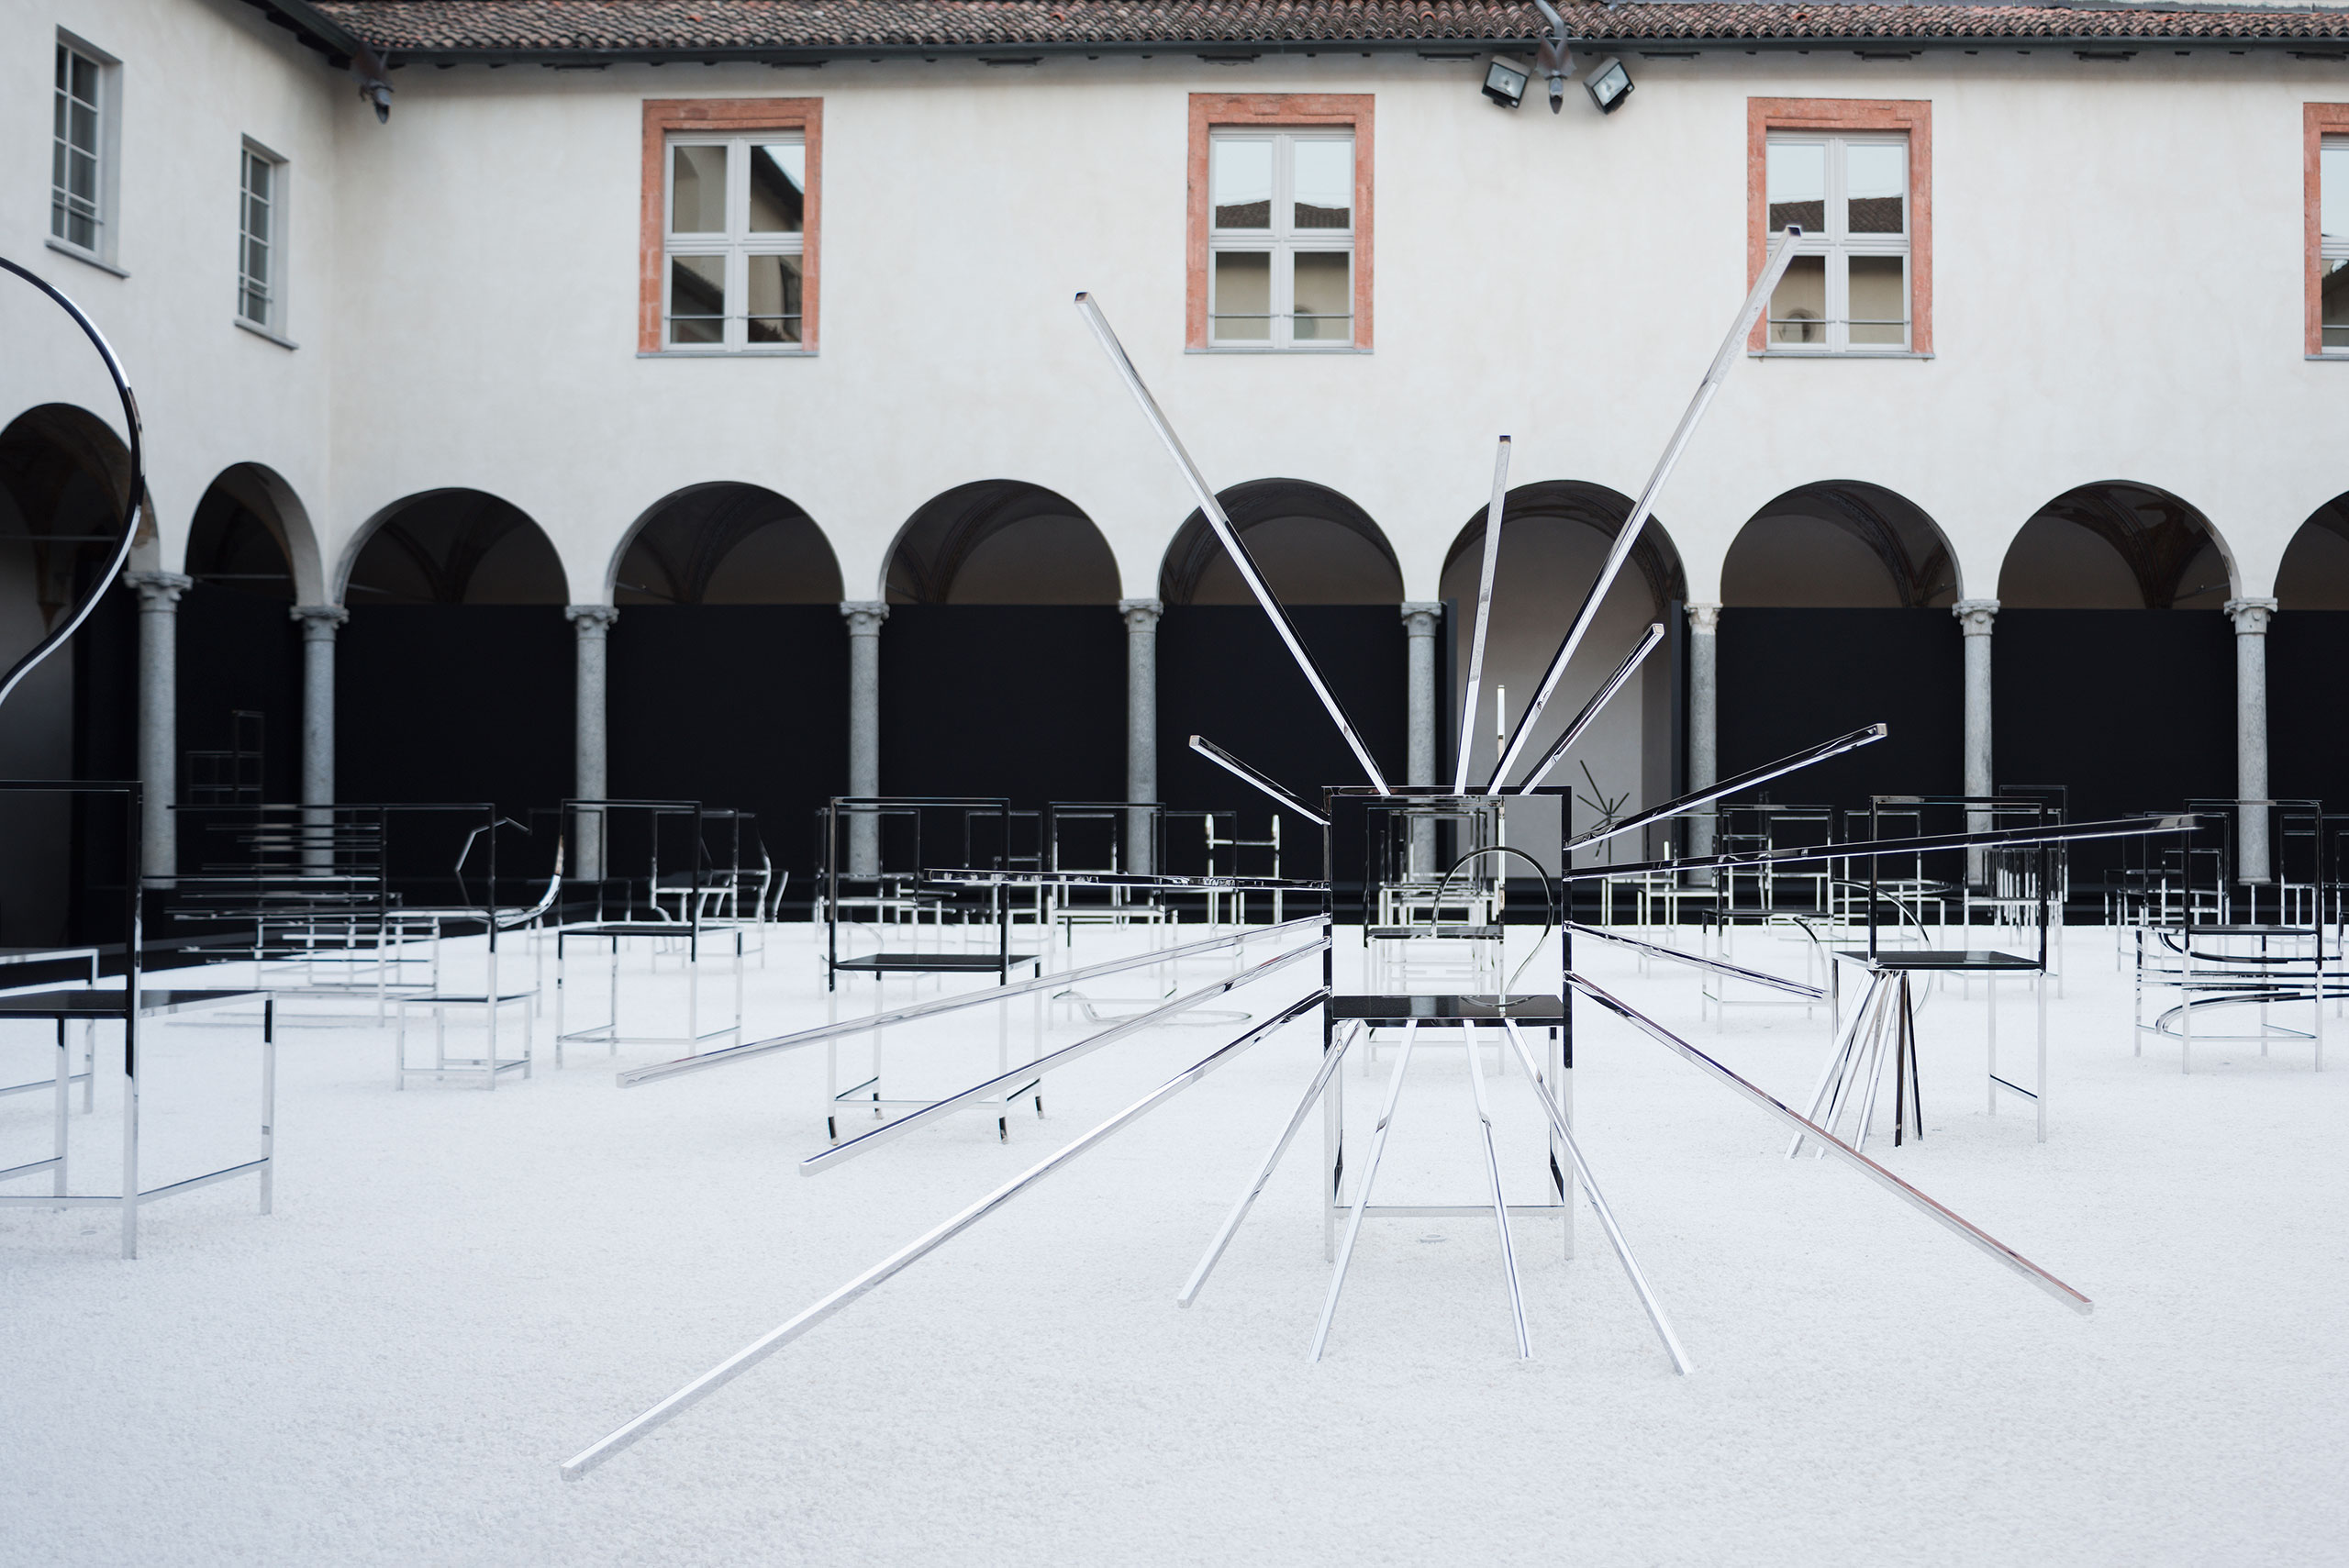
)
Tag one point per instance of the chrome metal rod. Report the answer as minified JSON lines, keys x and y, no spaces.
{"x":1493,"y":1180}
{"x":939,"y":1110}
{"x":757,"y":1048}
{"x":1695,"y":961}
{"x":1615,"y":1237}
{"x":1629,"y":535}
{"x":1747,"y":780}
{"x":1843,"y":1043}
{"x":1244,"y":563}
{"x":1362,"y":1198}
{"x":1483,"y":618}
{"x":1248,"y":776}
{"x":1862,"y":848}
{"x":758,"y":1350}
{"x":1591,"y":709}
{"x":1962,"y":1227}
{"x":1313,"y":1092}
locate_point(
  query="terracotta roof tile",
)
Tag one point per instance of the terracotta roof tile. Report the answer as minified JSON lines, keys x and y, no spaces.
{"x":635,"y":26}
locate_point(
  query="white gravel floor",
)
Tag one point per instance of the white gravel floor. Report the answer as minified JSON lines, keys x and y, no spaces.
{"x":459,"y":1290}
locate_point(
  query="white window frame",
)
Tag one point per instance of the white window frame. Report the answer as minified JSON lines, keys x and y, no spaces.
{"x":270,"y":283}
{"x":1838,"y":245}
{"x":2329,"y":247}
{"x":737,"y":244}
{"x":107,"y":155}
{"x":1285,"y":241}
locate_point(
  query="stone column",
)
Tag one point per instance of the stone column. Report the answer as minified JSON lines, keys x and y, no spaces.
{"x":159,"y":626}
{"x":1974,"y":619}
{"x":1420,"y":619}
{"x":318,"y":623}
{"x":1142,"y":725}
{"x":1704,"y":715}
{"x":2251,"y":618}
{"x":864,"y":618}
{"x":590,"y":747}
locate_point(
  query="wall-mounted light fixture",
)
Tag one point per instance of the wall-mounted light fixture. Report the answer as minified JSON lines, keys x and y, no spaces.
{"x":1505,"y":81}
{"x":1609,"y":84}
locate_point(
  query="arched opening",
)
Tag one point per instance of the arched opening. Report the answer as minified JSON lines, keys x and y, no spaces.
{"x":2114,"y":675}
{"x":455,"y":547}
{"x":454,"y":677}
{"x":239,"y":718}
{"x":1004,"y":659}
{"x":1001,"y":542}
{"x":727,"y":544}
{"x":1842,"y":544}
{"x":727,"y":671}
{"x":2314,"y":572}
{"x":2115,"y":546}
{"x":1554,"y":538}
{"x":1223,"y":673}
{"x":1835,"y":614}
{"x":63,"y":472}
{"x":1315,"y":547}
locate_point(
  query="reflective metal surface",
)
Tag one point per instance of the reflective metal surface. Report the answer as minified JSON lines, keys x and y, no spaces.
{"x":1468,"y":704}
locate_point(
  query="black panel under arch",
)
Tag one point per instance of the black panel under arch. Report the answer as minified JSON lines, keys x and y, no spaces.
{"x":1791,"y":678}
{"x":455,"y":703}
{"x":1027,"y":701}
{"x":737,"y":705}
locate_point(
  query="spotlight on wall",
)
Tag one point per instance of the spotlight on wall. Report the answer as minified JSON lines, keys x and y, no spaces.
{"x":1609,"y":84}
{"x":1505,"y":81}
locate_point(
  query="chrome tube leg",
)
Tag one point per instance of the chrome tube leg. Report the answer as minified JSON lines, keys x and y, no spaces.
{"x":130,"y":1071}
{"x":1493,"y":1179}
{"x":63,"y":1109}
{"x":90,"y":1064}
{"x":1361,"y":1196}
{"x":1333,"y":1153}
{"x":2186,"y":1001}
{"x":1562,"y":1089}
{"x":1990,"y":1000}
{"x":1837,"y":1072}
{"x":2039,"y":1083}
{"x":267,"y":1103}
{"x":1231,"y":1227}
{"x":1564,"y":1129}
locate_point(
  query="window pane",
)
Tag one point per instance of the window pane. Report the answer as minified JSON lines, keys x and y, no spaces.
{"x":2334,"y":291}
{"x":1798,"y":193}
{"x":1879,"y":302}
{"x":1240,"y":178}
{"x":697,"y":190}
{"x":1325,"y":297}
{"x":775,"y":299}
{"x":1798,"y":307}
{"x":2333,"y":190}
{"x":1876,"y":188}
{"x":1325,"y":185}
{"x":85,"y":128}
{"x":255,"y":306}
{"x":64,"y":65}
{"x":1243,"y":297}
{"x":85,"y":80}
{"x":696,"y":299}
{"x":778,"y":187}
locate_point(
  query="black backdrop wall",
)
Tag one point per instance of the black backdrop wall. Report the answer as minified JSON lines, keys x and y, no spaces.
{"x":2307,"y":744}
{"x":455,"y":703}
{"x":1793,"y":678}
{"x":740,"y":705}
{"x":1027,"y":701}
{"x":240,"y":651}
{"x":1224,"y":673}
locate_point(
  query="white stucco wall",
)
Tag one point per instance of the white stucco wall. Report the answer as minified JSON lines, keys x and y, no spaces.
{"x":2117,"y":254}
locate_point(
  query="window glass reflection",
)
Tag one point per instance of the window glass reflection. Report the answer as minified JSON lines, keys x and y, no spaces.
{"x":2333,"y":291}
{"x":1243,"y":297}
{"x":775,"y":299}
{"x":2333,"y":190}
{"x":1325,"y":301}
{"x":697,"y":190}
{"x":778,"y":187}
{"x":1798,"y":185}
{"x":1240,"y":178}
{"x":1876,"y":188}
{"x":1879,"y":302}
{"x":696,"y":299}
{"x":1798,"y":305}
{"x":1324,"y":185}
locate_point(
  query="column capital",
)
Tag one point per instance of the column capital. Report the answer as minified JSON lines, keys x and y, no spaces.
{"x":159,"y":590}
{"x":2250,"y":616}
{"x":864,"y":617}
{"x":318,"y":621}
{"x":1704,"y":620}
{"x":1975,"y":616}
{"x":1420,"y":615}
{"x":593,"y":621}
{"x":1141,"y":615}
